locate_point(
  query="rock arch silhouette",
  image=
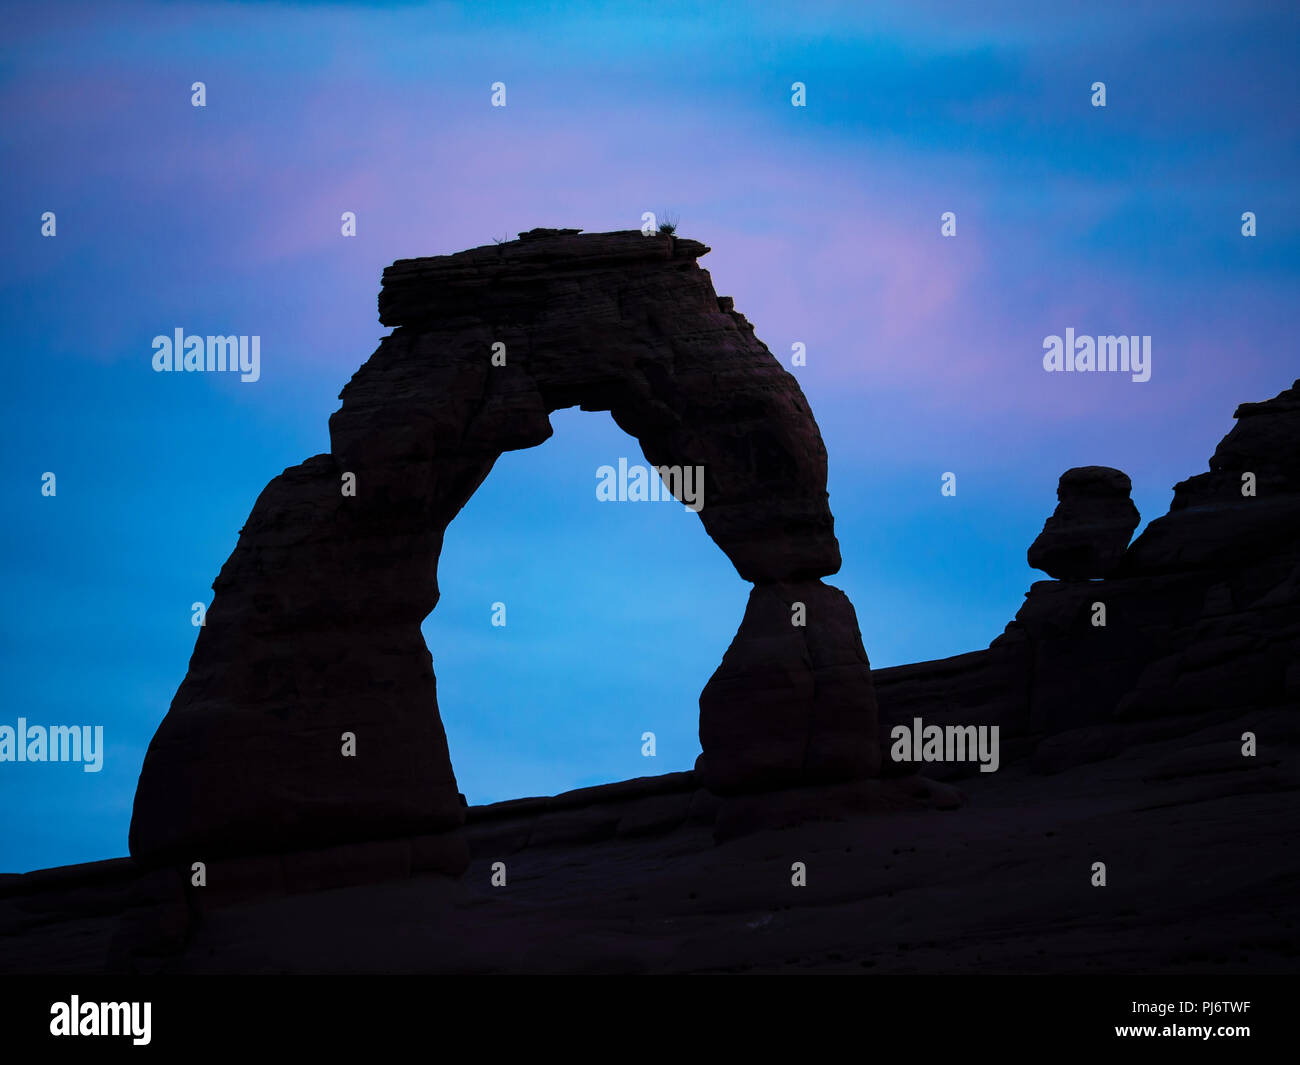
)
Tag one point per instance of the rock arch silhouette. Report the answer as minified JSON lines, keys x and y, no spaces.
{"x":314,"y":628}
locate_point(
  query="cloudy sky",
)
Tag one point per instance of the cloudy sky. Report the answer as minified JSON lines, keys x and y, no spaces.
{"x":924,"y":352}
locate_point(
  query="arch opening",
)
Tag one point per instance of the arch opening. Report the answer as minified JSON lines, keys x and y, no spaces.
{"x":613,"y":616}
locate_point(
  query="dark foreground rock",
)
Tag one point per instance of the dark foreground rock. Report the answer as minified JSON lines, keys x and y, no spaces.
{"x":1198,"y":846}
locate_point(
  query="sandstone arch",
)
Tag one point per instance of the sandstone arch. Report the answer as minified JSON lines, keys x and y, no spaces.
{"x":315,"y":625}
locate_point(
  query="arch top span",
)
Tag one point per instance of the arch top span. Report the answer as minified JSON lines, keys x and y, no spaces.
{"x":616,"y":322}
{"x":315,"y":625}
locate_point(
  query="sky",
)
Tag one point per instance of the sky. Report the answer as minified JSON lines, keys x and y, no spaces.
{"x":924,"y":352}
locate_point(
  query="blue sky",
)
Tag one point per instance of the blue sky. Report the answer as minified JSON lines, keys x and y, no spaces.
{"x":924,"y":353}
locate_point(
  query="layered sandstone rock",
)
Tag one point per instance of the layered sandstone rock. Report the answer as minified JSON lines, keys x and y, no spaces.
{"x":1227,"y":556}
{"x":1093,"y":522}
{"x":1201,"y":618}
{"x":787,"y":704}
{"x":1246,"y":507}
{"x":314,"y":630}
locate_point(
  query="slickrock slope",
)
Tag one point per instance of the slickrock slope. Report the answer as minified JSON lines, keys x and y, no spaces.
{"x":314,"y":630}
{"x":1199,"y":847}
